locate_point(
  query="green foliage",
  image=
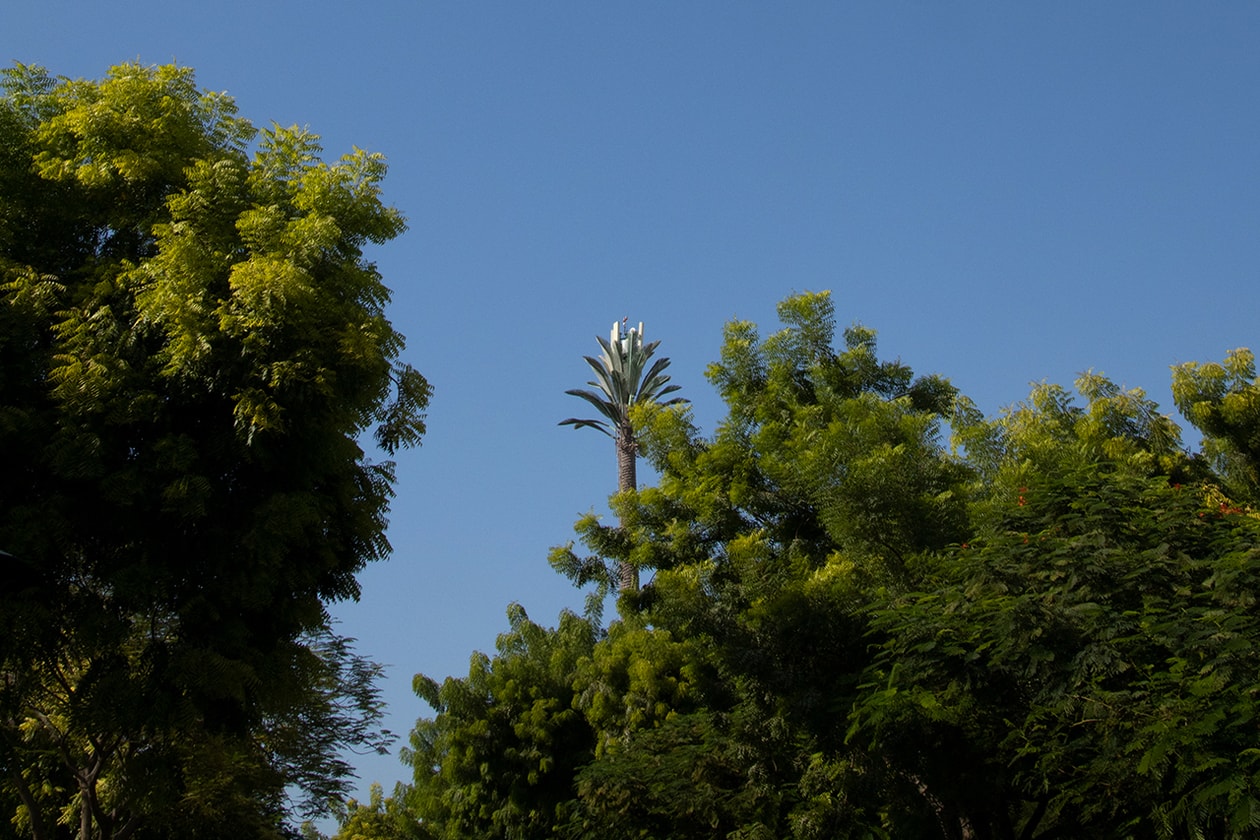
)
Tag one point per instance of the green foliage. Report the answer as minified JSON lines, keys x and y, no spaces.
{"x":822,"y":453}
{"x":1092,"y":651}
{"x":701,"y":699}
{"x":381,"y":818}
{"x":1046,"y":630}
{"x":684,"y":778}
{"x":191,"y":345}
{"x":499,"y":757}
{"x":635,"y":678}
{"x":1222,"y":399}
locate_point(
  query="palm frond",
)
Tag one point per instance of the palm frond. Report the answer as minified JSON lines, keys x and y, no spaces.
{"x":614,"y":357}
{"x":655,"y":391}
{"x":614,"y":367}
{"x":658,"y":367}
{"x":605,"y":407}
{"x":601,"y":367}
{"x":586,"y":424}
{"x":625,"y":373}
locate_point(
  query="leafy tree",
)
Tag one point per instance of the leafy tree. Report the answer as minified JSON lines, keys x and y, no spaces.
{"x":664,"y":761}
{"x":498,"y":759}
{"x":538,"y":740}
{"x":828,"y":467}
{"x":1222,"y":399}
{"x":819,"y":449}
{"x":624,"y":380}
{"x":1045,"y":630}
{"x":685,"y":777}
{"x":381,"y":818}
{"x":191,"y":344}
{"x":935,"y":644}
{"x":1084,"y":661}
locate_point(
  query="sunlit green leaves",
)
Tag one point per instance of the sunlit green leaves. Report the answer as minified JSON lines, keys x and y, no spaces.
{"x":192,"y":345}
{"x":1046,"y":630}
{"x":1222,"y":399}
{"x":499,"y":757}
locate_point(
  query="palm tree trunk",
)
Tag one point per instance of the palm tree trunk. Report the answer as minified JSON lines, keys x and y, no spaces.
{"x":627,"y":453}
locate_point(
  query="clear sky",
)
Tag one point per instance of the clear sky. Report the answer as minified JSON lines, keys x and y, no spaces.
{"x":1007,"y":192}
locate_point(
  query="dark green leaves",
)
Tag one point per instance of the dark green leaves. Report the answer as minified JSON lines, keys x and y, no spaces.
{"x":1047,"y":632}
{"x":402,"y":422}
{"x":191,"y":346}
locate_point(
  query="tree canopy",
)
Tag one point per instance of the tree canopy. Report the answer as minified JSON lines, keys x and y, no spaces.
{"x":192,"y":345}
{"x":874,"y":612}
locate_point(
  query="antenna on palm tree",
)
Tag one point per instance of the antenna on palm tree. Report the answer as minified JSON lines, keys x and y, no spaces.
{"x":622,"y":379}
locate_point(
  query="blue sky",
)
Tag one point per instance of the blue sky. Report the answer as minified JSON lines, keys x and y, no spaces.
{"x":1006,"y":192}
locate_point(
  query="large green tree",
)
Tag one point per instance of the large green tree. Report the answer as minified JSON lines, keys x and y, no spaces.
{"x":538,"y":739}
{"x":700,"y":696}
{"x":192,"y":343}
{"x":771,"y":538}
{"x":1044,"y":633}
{"x":1060,"y":673}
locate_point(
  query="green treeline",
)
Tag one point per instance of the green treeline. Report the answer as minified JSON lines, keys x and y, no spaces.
{"x":872,"y":612}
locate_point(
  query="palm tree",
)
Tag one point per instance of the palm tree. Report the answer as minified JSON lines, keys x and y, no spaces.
{"x":621,"y":381}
